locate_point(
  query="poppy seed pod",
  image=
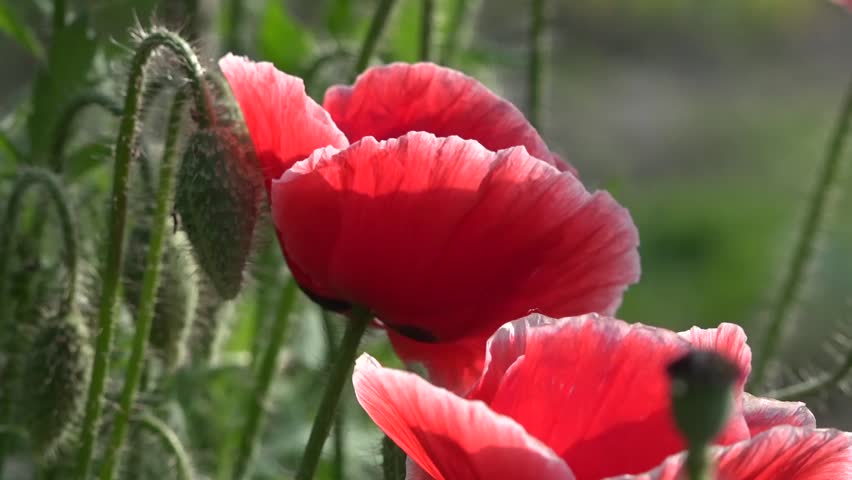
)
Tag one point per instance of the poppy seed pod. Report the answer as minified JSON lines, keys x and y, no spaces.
{"x":58,"y":370}
{"x":218,"y":198}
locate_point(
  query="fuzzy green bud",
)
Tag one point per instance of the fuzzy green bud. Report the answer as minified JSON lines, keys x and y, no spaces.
{"x":58,"y":368}
{"x":176,"y":294}
{"x":219,"y":193}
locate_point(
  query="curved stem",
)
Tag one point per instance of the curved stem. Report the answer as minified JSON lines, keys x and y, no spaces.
{"x":337,"y":377}
{"x":427,"y":8}
{"x":63,"y":125}
{"x":7,"y":145}
{"x":170,"y":440}
{"x":265,"y":374}
{"x":127,"y":136}
{"x":28,"y":178}
{"x":150,"y":283}
{"x":339,"y":419}
{"x":536,"y":45}
{"x":320,"y":61}
{"x":803,"y":252}
{"x":377,"y":26}
{"x":815,"y":385}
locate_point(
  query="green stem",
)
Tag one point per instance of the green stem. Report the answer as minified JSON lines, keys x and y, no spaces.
{"x":58,"y":15}
{"x":320,"y":61}
{"x":536,"y":45}
{"x":697,"y":466}
{"x":127,"y":136}
{"x":150,"y":283}
{"x":265,"y":374}
{"x":816,"y":385}
{"x":170,"y":440}
{"x":457,"y":33}
{"x":63,"y":125}
{"x":53,"y":185}
{"x":815,"y":215}
{"x":427,"y":8}
{"x":339,"y":420}
{"x":232,"y":27}
{"x":337,"y":377}
{"x":377,"y":26}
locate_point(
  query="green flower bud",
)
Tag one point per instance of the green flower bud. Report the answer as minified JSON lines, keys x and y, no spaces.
{"x":219,"y":193}
{"x":57,"y":366}
{"x":702,"y":394}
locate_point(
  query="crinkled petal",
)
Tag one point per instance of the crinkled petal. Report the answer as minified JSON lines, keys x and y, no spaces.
{"x":449,"y":437}
{"x":761,"y":414}
{"x":443,"y":239}
{"x":782,"y":453}
{"x":284,"y":123}
{"x":389,"y":101}
{"x":592,"y":388}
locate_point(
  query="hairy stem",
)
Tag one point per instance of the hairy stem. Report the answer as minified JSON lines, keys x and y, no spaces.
{"x":339,"y":419}
{"x":265,"y":374}
{"x":815,"y":385}
{"x":337,"y":377}
{"x":127,"y":136}
{"x":63,"y":125}
{"x":814,"y":217}
{"x":170,"y":440}
{"x":150,"y":284}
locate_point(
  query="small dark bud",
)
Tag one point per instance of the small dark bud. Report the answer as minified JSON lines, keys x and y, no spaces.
{"x":702,"y":394}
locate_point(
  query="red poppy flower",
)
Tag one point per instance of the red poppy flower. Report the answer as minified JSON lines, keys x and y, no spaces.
{"x":588,"y":398}
{"x":442,"y":233}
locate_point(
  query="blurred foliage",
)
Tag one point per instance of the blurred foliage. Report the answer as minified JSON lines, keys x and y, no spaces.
{"x":715,"y":191}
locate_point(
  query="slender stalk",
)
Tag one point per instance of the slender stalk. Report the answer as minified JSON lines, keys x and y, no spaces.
{"x":127,"y":136}
{"x":265,"y":374}
{"x":339,"y":419}
{"x":63,"y":125}
{"x":320,"y":61}
{"x":534,"y":77}
{"x":814,"y":217}
{"x":150,"y":283}
{"x":427,"y":15}
{"x":8,"y":228}
{"x":232,"y":27}
{"x":377,"y":26}
{"x":815,"y":385}
{"x":697,"y":466}
{"x":58,"y":15}
{"x":337,"y":377}
{"x":171,"y":440}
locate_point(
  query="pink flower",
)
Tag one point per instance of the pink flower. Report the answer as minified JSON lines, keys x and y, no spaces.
{"x":446,"y":217}
{"x":588,"y":398}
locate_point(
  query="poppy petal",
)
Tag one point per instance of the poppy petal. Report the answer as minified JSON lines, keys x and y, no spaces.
{"x":446,"y":239}
{"x":761,"y":414}
{"x":782,"y":453}
{"x":455,"y":366}
{"x":728,"y":340}
{"x":595,"y":389}
{"x":447,"y":436}
{"x":389,"y":101}
{"x":284,"y":123}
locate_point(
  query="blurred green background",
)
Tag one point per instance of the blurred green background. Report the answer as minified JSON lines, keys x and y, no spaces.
{"x":708,"y":120}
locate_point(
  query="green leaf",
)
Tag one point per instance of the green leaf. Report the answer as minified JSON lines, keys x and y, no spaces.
{"x":70,"y":58}
{"x":282,"y":40}
{"x":14,"y":27}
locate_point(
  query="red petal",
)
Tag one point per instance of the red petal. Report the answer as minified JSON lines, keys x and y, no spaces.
{"x":455,"y":366}
{"x":392,"y":100}
{"x":592,"y":388}
{"x":783,"y":453}
{"x":444,"y":238}
{"x":449,"y":437}
{"x":729,"y":340}
{"x":761,"y":414}
{"x":284,"y":123}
